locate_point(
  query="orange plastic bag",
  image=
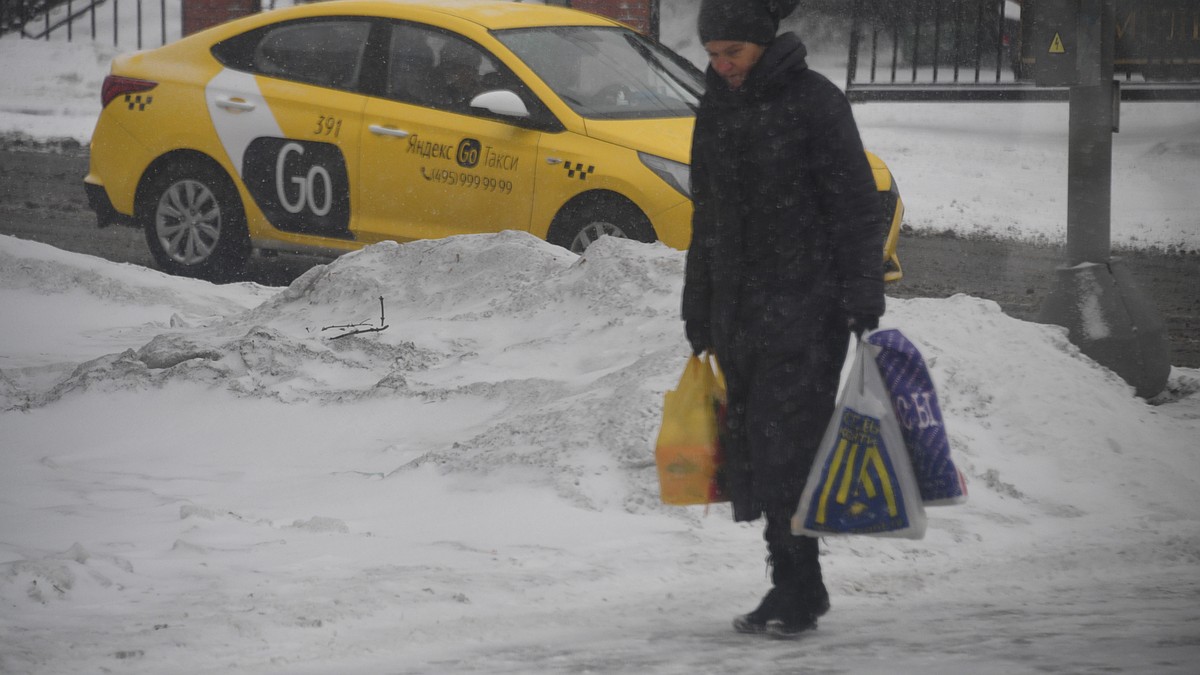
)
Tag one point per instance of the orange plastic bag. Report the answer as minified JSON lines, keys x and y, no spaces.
{"x":688,"y":451}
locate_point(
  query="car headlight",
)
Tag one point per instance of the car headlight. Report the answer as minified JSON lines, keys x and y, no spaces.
{"x":676,"y":174}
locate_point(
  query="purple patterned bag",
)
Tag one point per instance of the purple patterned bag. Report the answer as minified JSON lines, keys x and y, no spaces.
{"x":921,"y":424}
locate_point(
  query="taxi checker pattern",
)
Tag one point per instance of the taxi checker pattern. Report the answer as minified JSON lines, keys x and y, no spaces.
{"x":578,"y":168}
{"x":138,"y":101}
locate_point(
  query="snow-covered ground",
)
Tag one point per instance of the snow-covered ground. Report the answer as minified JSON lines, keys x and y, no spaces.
{"x":199,"y":478}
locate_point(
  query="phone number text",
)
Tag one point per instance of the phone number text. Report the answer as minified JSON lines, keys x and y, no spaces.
{"x":467,"y":180}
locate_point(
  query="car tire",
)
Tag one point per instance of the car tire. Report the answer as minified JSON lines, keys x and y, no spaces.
{"x":576,"y":228}
{"x":194,"y":223}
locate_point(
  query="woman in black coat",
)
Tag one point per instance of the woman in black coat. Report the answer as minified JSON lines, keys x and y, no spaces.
{"x":785,"y":261}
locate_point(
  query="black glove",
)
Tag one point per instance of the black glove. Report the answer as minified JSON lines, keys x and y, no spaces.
{"x":699,"y":335}
{"x":862,"y":324}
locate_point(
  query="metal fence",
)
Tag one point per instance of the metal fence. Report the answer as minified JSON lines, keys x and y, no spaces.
{"x":127,"y":23}
{"x":936,"y":50}
{"x":965,"y":50}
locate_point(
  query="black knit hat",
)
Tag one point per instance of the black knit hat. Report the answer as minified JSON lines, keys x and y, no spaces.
{"x":754,"y":21}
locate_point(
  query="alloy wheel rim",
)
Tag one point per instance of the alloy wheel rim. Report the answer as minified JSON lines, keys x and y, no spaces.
{"x":593,"y":231}
{"x":188,"y":222}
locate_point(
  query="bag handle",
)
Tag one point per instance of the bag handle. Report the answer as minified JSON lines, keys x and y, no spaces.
{"x":858,"y":376}
{"x":710,"y":360}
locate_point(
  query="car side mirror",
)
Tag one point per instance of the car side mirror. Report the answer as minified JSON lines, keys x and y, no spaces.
{"x":501,"y":102}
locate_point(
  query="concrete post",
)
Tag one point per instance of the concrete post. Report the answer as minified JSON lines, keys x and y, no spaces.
{"x":1094,"y":297}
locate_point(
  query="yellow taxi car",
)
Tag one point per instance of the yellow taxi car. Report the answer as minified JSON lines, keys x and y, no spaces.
{"x":326,"y":127}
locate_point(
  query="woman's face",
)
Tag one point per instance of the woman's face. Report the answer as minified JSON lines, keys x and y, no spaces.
{"x":733,"y":60}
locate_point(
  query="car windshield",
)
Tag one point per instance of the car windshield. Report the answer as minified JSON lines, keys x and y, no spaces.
{"x":608,"y":73}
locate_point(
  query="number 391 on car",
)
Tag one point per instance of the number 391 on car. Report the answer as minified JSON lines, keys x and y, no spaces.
{"x":329,"y":126}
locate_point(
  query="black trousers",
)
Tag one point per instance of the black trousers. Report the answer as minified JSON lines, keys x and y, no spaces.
{"x":795,"y":565}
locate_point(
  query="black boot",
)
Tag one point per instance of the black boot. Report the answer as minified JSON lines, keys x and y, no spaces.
{"x":796,"y":609}
{"x":756,"y":621}
{"x":795,"y":616}
{"x":801,"y":596}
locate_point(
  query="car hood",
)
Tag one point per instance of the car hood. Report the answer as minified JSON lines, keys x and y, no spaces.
{"x":666,"y":137}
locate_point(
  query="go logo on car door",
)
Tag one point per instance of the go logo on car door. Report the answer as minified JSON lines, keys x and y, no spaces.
{"x":301,"y":186}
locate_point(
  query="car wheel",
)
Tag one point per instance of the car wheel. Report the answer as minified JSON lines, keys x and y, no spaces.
{"x":194,"y":223}
{"x":584,"y":225}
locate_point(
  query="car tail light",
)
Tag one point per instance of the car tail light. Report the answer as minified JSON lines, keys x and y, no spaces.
{"x":115,"y":85}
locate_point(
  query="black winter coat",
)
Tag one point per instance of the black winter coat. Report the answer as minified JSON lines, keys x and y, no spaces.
{"x":787,"y":244}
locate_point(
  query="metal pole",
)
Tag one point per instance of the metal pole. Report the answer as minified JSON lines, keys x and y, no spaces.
{"x":1089,"y":165}
{"x":852,"y":61}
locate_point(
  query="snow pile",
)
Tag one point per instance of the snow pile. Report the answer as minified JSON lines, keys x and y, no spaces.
{"x":1000,"y":170}
{"x":201,"y":478}
{"x":51,"y":89}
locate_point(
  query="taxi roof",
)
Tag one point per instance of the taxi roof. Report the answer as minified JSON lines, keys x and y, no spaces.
{"x":489,"y":14}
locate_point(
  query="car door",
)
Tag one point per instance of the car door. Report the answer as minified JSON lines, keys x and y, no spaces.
{"x":288,"y":113}
{"x":430,"y":165}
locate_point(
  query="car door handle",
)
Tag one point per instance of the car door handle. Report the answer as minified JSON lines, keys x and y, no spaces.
{"x":235,"y":104}
{"x":380,"y":130}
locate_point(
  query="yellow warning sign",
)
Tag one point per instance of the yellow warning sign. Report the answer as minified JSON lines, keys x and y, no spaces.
{"x":1056,"y":45}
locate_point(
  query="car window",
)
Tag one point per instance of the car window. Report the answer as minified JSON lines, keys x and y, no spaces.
{"x":436,"y":69}
{"x":610,"y":73}
{"x":324,"y":52}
